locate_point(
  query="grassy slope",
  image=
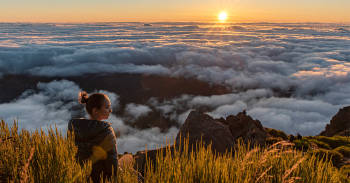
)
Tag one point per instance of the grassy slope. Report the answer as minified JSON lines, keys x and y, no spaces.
{"x":49,"y":157}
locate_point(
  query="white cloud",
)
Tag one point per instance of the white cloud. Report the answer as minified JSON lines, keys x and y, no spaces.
{"x":137,"y":110}
{"x":294,"y":115}
{"x":263,"y":64}
{"x":51,"y":105}
{"x":226,"y":110}
{"x":151,"y":138}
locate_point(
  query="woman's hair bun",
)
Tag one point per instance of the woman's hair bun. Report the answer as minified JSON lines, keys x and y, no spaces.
{"x":83,"y":97}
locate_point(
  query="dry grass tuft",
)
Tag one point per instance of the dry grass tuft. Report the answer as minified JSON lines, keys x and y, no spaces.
{"x":24,"y":175}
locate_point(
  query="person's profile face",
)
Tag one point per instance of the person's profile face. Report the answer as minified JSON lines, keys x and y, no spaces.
{"x":104,"y":111}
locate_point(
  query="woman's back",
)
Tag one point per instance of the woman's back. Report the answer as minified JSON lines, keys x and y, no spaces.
{"x":96,"y":141}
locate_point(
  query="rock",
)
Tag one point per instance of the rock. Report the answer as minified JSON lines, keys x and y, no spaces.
{"x":140,"y":158}
{"x":339,"y":124}
{"x":245,"y":127}
{"x":140,"y":161}
{"x":222,"y":133}
{"x":201,"y":126}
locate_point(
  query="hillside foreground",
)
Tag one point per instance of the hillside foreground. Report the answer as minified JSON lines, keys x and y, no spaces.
{"x":235,"y":149}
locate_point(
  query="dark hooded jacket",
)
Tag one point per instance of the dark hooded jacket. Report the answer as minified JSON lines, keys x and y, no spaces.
{"x":96,"y":141}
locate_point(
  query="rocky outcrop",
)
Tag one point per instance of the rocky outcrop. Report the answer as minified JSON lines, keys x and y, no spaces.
{"x":199,"y":126}
{"x":220,"y":133}
{"x":339,"y":124}
{"x":245,"y":127}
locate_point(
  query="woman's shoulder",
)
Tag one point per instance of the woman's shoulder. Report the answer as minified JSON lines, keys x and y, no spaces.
{"x":89,"y":129}
{"x":83,"y":123}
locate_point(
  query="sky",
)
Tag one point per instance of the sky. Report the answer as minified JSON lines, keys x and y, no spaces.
{"x":174,"y":11}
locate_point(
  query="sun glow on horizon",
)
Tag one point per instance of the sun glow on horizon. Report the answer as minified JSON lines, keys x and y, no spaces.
{"x":222,"y":17}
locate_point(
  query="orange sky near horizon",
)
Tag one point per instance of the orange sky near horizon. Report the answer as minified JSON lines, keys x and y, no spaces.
{"x":174,"y":11}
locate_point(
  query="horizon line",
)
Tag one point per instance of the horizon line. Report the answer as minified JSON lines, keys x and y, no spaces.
{"x":229,"y":22}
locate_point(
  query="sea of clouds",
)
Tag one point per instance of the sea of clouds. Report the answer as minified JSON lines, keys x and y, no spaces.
{"x":292,"y":77}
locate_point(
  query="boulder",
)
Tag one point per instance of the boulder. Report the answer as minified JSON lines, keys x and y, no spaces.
{"x":245,"y":127}
{"x":339,"y":124}
{"x":199,"y":126}
{"x":221,"y":133}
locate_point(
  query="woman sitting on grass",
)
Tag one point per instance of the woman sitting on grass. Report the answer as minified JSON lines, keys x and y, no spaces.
{"x":95,"y":138}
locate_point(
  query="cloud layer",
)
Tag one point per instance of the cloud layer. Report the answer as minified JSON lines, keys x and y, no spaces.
{"x":292,"y":115}
{"x":292,"y":77}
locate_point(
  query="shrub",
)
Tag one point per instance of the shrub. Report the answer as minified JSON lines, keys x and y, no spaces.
{"x":276,"y":133}
{"x":302,"y":144}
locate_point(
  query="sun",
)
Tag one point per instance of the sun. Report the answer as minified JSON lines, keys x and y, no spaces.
{"x":222,"y":16}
